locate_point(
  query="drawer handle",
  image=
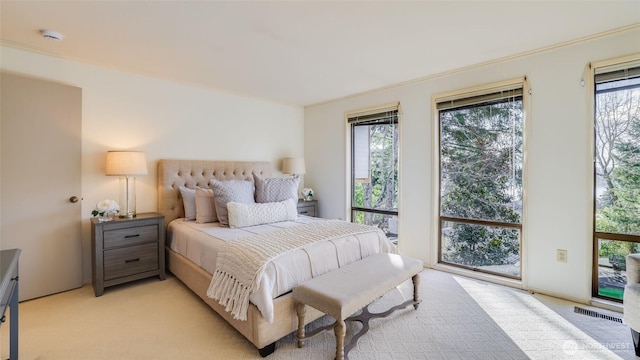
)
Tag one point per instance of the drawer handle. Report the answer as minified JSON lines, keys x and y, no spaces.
{"x":132,"y":260}
{"x":131,"y":236}
{"x":303,"y":212}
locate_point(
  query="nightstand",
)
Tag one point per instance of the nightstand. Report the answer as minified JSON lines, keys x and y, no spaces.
{"x":127,"y":249}
{"x":309,"y":208}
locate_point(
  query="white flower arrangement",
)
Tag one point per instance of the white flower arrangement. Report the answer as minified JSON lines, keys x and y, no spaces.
{"x":307,"y":193}
{"x":105,"y":207}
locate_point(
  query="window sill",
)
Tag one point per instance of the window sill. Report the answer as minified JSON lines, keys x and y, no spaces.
{"x":607,"y":305}
{"x":495,"y":279}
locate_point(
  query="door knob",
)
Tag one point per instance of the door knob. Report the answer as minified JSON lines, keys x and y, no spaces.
{"x":74,"y":199}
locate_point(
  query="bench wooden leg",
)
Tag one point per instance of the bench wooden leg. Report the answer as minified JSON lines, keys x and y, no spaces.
{"x":340,"y":329}
{"x":416,"y":285}
{"x":301,"y":310}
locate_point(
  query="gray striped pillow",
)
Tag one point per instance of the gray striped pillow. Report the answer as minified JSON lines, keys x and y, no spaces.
{"x":276,"y":189}
{"x":230,"y":190}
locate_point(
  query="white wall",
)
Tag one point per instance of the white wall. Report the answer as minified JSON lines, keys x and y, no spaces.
{"x":559,"y":168}
{"x":165,"y":120}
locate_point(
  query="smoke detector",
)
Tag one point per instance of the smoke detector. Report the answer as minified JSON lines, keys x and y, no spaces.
{"x":51,"y":35}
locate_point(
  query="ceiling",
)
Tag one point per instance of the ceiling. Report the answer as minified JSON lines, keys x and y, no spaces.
{"x":303,"y":52}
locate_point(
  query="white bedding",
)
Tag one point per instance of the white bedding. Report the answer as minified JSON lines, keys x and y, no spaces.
{"x":200,"y":243}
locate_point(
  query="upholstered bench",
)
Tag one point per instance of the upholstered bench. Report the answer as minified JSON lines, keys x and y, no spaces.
{"x":342,"y":292}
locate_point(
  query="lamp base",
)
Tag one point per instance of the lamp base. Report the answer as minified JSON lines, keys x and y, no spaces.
{"x":127,"y":197}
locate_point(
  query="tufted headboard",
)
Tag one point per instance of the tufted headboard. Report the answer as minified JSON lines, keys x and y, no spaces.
{"x":191,"y":173}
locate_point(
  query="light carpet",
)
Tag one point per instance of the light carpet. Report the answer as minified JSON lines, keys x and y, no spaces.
{"x":459,"y":318}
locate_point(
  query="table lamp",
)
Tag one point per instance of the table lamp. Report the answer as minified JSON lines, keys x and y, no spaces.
{"x":126,"y":165}
{"x":293,"y":166}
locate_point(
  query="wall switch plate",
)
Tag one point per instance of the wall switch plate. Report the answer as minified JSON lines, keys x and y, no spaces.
{"x":561,"y":255}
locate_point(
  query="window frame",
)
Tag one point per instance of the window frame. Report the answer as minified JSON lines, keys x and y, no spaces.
{"x":438,"y":219}
{"x":594,"y":70}
{"x":350,"y":118}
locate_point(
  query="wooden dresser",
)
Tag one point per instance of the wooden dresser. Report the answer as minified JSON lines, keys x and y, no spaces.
{"x":127,"y":249}
{"x":309,"y":208}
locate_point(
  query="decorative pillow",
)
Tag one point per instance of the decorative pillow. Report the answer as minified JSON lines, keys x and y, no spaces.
{"x":230,"y":191}
{"x":205,"y":206}
{"x":241,"y":215}
{"x":276,"y":189}
{"x":189,"y":202}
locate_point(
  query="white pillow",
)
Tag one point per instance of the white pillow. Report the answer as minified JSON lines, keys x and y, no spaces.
{"x":189,"y":202}
{"x":276,"y":189}
{"x":205,"y":206}
{"x":241,"y":215}
{"x":230,"y":191}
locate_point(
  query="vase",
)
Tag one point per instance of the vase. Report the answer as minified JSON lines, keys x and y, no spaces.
{"x":105,"y":217}
{"x":308,"y":198}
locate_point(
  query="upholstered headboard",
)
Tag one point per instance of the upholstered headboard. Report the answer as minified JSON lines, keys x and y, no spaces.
{"x":191,"y":173}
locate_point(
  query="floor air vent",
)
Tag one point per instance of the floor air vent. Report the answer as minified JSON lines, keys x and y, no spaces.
{"x":595,"y":314}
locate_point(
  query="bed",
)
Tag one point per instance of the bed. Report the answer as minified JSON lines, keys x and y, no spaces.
{"x":274,"y":317}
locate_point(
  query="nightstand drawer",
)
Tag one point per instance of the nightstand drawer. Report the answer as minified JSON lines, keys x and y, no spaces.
{"x":130,"y":260}
{"x":308,"y":210}
{"x":130,"y":236}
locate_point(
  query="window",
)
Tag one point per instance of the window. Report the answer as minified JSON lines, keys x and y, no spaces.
{"x":481,"y":172}
{"x":374,"y":169}
{"x":617,"y":175}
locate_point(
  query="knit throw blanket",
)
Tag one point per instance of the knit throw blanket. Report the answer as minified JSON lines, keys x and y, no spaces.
{"x":242,"y":262}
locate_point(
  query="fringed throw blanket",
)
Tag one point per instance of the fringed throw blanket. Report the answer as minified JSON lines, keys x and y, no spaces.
{"x":242,"y":262}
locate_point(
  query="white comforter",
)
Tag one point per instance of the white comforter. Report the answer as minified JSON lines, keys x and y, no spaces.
{"x":200,"y":244}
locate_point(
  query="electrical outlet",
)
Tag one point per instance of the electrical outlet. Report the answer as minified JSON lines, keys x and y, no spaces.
{"x":561,"y":255}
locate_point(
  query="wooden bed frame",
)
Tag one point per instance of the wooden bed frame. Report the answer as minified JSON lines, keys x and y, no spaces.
{"x":191,"y":173}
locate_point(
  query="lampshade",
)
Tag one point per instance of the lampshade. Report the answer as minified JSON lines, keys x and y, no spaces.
{"x":126,"y":163}
{"x":293,"y":166}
